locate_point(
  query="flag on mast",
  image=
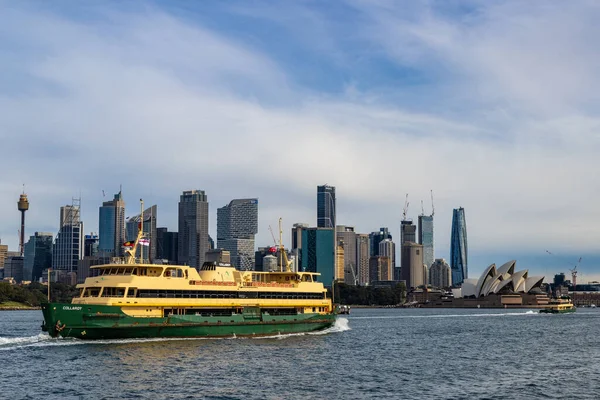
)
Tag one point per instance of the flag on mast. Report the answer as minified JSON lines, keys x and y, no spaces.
{"x":144,"y":242}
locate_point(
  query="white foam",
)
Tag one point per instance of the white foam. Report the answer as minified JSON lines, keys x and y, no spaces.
{"x":24,"y":340}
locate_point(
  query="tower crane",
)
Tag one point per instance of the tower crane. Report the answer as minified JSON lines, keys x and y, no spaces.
{"x":574,"y":274}
{"x":432,"y":207}
{"x":405,"y":210}
{"x":422,"y":209}
{"x":273,"y":236}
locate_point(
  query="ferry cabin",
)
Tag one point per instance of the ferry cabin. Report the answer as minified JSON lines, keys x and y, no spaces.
{"x":150,"y":290}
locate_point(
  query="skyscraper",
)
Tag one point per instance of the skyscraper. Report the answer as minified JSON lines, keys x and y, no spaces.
{"x":408,"y":232}
{"x":326,"y":206}
{"x":347,"y":237}
{"x":362,"y":258}
{"x":167,"y":244}
{"x":426,"y":238}
{"x":148,"y":249}
{"x":376,"y":237}
{"x":387,"y":248}
{"x":68,"y":246}
{"x":318,"y":254}
{"x":439,"y":274}
{"x":193,"y":228}
{"x":111,"y":227}
{"x":412,"y":265}
{"x":458,"y":247}
{"x":38,"y":256}
{"x":237,"y":223}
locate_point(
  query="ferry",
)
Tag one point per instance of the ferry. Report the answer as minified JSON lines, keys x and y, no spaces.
{"x":132,"y":299}
{"x":559,"y":306}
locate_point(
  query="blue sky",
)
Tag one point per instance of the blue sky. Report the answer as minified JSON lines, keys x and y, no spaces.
{"x":493,"y":105}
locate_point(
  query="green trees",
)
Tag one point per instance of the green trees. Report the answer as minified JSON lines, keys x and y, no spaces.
{"x":35,"y":293}
{"x":369,"y":295}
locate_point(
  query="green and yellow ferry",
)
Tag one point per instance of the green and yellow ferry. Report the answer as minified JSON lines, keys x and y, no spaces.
{"x":559,"y":306}
{"x":132,"y":299}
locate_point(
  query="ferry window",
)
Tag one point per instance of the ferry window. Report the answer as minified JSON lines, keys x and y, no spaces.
{"x":134,"y":272}
{"x":131,"y":292}
{"x":128,"y":271}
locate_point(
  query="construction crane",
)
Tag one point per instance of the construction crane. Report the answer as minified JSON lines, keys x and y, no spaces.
{"x":350,"y":269}
{"x":573,"y":270}
{"x":574,"y":274}
{"x":273,"y":236}
{"x":422,"y":209}
{"x":432,"y":207}
{"x":405,"y":210}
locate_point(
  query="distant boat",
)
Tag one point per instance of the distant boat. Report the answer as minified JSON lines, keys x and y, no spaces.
{"x":343,"y":309}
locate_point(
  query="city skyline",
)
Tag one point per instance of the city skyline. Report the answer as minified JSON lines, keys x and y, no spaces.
{"x":494,"y":130}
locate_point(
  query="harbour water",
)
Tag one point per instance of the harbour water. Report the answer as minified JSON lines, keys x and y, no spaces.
{"x":372,"y":353}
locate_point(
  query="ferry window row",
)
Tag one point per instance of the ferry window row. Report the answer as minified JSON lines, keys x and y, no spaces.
{"x":199,"y":294}
{"x":196,"y":294}
{"x":169,"y":272}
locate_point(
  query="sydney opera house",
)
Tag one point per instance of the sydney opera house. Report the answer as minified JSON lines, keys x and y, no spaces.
{"x":503,"y":280}
{"x":497,"y":287}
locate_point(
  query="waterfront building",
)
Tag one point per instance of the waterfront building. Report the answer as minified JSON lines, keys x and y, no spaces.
{"x":148,"y":245}
{"x":68,"y":246}
{"x":387,"y":248}
{"x":379,"y":268}
{"x":458,"y":247}
{"x":167,"y":244}
{"x":440,"y":275}
{"x":3,"y":253}
{"x":111,"y":227}
{"x":426,"y":238}
{"x":501,"y":281}
{"x":326,"y":207}
{"x":13,"y":268}
{"x":317,"y":253}
{"x":193,"y":228}
{"x":412,"y":265}
{"x":237,"y":224}
{"x":362,"y":258}
{"x":38,"y":256}
{"x":347,"y":238}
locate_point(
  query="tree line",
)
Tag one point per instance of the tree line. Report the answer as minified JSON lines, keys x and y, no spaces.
{"x":370,"y":295}
{"x":34,"y":294}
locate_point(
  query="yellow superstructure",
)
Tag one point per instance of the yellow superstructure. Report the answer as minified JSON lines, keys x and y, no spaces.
{"x":146,"y":289}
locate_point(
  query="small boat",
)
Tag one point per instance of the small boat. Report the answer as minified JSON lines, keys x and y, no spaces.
{"x":343,"y":309}
{"x":559,"y":306}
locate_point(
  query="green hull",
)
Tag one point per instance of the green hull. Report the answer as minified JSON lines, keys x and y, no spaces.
{"x":553,"y":311}
{"x":109,"y":322}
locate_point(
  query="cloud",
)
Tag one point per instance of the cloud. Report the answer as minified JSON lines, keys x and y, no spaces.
{"x":502,"y":123}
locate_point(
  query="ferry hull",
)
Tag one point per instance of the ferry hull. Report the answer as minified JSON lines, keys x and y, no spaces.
{"x":555,"y":311}
{"x":91,"y":322}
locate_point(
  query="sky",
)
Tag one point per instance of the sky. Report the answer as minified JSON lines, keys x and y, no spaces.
{"x":495,"y":106}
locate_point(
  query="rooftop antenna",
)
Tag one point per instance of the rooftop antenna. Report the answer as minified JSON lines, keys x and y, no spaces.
{"x":432,"y":207}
